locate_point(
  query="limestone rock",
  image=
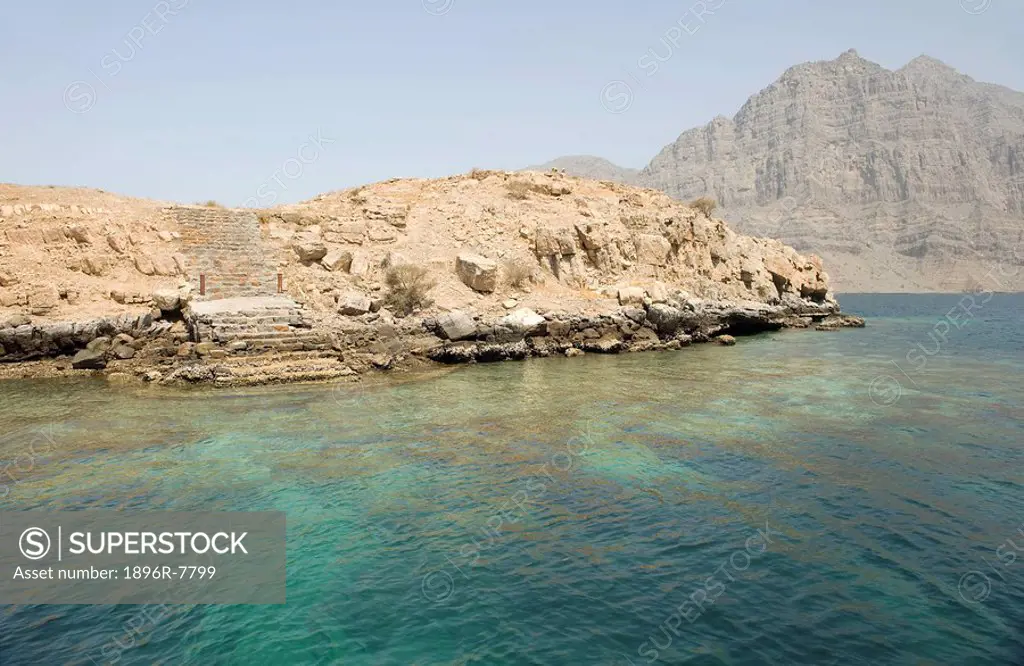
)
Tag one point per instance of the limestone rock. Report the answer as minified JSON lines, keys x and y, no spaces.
{"x":664,"y":318}
{"x":118,"y":242}
{"x":523,"y":321}
{"x":630,"y":296}
{"x":337,"y":260}
{"x":554,"y":242}
{"x":477,"y":273}
{"x":726,"y":340}
{"x":309,"y":249}
{"x":79,"y":234}
{"x":168,"y":300}
{"x":456,"y":325}
{"x":123,"y":352}
{"x":905,"y":179}
{"x":353,"y":304}
{"x":88,"y":359}
{"x":100,"y":344}
{"x":360,"y":264}
{"x":43,"y":299}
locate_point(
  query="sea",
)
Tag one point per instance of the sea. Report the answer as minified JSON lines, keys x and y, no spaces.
{"x":805,"y":497}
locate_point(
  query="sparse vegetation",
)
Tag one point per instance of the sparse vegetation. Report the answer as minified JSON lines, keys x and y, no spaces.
{"x":212,"y":204}
{"x":517,"y":274}
{"x":408,"y":285}
{"x":705,"y":205}
{"x":479,"y":174}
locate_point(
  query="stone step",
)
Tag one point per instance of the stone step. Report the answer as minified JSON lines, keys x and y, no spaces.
{"x":227,"y":332}
{"x":264,"y":358}
{"x":284,"y":376}
{"x":300,"y":335}
{"x":294,"y":319}
{"x":269,"y":327}
{"x":332,"y":365}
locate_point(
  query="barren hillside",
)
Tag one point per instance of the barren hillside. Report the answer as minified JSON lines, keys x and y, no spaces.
{"x":573,"y":243}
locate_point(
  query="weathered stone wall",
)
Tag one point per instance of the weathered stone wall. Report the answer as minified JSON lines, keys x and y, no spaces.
{"x":226,"y":247}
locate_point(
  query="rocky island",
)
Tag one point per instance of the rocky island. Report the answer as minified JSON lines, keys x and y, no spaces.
{"x":405,"y":273}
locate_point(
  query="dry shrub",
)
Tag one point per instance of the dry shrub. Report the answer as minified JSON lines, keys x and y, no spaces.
{"x":706,"y":205}
{"x":517,"y":274}
{"x":408,"y":285}
{"x":479,"y":174}
{"x":212,"y":204}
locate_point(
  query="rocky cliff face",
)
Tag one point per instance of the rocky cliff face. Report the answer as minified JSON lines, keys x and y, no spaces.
{"x":907,"y":180}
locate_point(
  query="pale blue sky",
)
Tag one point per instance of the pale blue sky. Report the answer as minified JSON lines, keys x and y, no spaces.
{"x":227,"y":92}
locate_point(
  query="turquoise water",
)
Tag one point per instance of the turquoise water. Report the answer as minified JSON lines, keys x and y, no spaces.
{"x":849,"y":503}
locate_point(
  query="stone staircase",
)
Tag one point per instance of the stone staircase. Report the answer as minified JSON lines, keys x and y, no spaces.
{"x":252,"y":334}
{"x":260,"y":340}
{"x":262,"y":322}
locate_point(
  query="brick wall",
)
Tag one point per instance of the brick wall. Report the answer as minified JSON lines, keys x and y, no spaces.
{"x":225,"y":246}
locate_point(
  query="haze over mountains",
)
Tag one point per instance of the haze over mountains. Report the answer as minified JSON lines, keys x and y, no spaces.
{"x":906,"y":180}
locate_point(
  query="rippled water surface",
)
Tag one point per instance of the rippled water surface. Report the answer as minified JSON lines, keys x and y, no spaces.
{"x":843,"y":498}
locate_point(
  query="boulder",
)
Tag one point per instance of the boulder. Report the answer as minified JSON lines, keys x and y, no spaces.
{"x":43,"y":298}
{"x":554,"y":242}
{"x":631,"y":296}
{"x":456,"y":325}
{"x":168,"y":300}
{"x":100,"y":344}
{"x":353,"y":304}
{"x":664,"y":318}
{"x":144,"y":264}
{"x":476,"y":272}
{"x":79,"y":234}
{"x":118,"y":242}
{"x":392,"y":259}
{"x":381,"y":233}
{"x":652,"y":250}
{"x":337,"y":260}
{"x":89,"y":359}
{"x":360,"y":264}
{"x":123,"y":352}
{"x":523,"y":321}
{"x":309,"y":249}
{"x":352,"y":232}
{"x":726,"y":340}
{"x":95,"y":264}
{"x":14,"y":321}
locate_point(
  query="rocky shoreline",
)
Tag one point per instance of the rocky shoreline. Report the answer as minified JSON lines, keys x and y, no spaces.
{"x":158,"y":346}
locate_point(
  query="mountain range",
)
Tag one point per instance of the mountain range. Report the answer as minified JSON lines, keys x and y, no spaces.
{"x":903,"y":181}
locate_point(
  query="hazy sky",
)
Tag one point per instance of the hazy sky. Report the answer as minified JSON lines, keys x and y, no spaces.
{"x":189,"y":100}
